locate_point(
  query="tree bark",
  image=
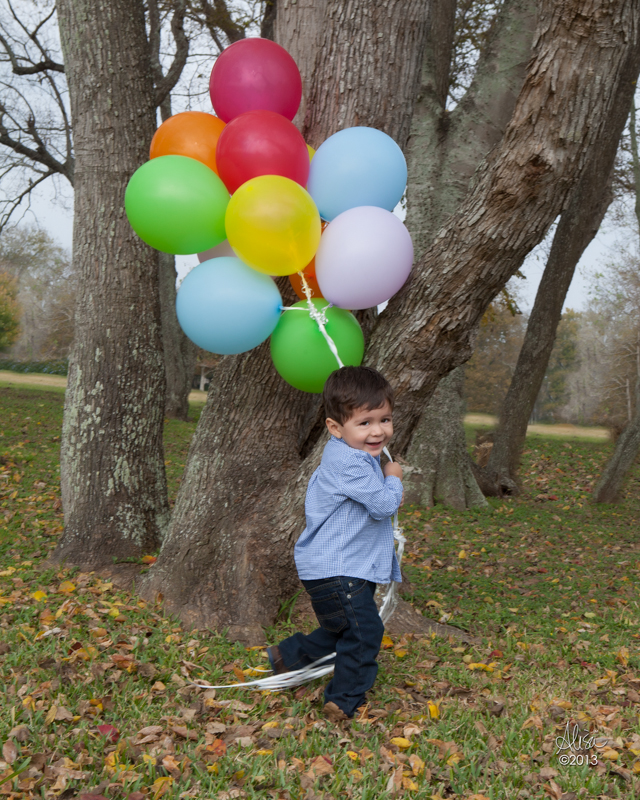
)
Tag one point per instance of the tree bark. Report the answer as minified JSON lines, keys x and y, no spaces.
{"x":227,"y":560}
{"x":445,"y":473}
{"x":112,"y":465}
{"x":626,"y":451}
{"x":456,"y":143}
{"x":445,"y":148}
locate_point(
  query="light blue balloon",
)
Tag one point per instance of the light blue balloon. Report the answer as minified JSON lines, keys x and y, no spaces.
{"x":357,"y":167}
{"x":226,"y":307}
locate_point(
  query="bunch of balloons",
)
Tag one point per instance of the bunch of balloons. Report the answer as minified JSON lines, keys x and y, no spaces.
{"x":245,"y":192}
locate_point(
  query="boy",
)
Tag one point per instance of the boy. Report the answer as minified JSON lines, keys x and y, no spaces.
{"x":347,"y":547}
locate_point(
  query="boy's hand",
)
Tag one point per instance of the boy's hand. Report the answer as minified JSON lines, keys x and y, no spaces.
{"x":392,"y":468}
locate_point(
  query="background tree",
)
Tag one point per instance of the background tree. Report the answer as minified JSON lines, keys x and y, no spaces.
{"x":9,"y":310}
{"x":553,"y":395}
{"x":227,"y":558}
{"x":489,"y":370}
{"x":46,"y":291}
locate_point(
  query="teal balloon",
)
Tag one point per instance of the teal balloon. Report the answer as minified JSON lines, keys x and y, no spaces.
{"x":226,"y":307}
{"x":301,"y":354}
{"x":177,"y":205}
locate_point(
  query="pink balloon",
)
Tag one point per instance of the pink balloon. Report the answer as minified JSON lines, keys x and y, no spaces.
{"x":255,"y":74}
{"x":219,"y":251}
{"x":364,"y":258}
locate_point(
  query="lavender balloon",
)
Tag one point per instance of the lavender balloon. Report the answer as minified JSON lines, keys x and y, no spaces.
{"x":219,"y":251}
{"x":365,"y":256}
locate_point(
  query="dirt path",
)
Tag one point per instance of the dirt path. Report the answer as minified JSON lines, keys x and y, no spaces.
{"x":563,"y":431}
{"x":60,"y":381}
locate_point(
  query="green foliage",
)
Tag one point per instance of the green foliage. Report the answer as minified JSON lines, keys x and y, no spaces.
{"x":9,"y":310}
{"x":47,"y":290}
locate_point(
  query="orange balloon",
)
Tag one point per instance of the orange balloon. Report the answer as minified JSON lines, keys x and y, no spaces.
{"x":191,"y":133}
{"x":309,"y":273}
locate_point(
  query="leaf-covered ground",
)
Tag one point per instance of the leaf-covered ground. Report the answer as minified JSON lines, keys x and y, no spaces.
{"x":96,"y":695}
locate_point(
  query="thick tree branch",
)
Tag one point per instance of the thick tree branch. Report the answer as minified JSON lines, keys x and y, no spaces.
{"x":440,"y":46}
{"x":215,"y":16}
{"x":267,"y":26}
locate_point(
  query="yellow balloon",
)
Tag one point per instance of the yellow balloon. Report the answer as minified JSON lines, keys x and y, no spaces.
{"x":273,"y":225}
{"x":312,"y":152}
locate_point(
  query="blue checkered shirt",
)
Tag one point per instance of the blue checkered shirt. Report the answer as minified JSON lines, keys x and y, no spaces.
{"x":349,"y":506}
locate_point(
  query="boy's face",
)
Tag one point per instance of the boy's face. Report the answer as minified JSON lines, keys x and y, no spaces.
{"x":367,"y":429}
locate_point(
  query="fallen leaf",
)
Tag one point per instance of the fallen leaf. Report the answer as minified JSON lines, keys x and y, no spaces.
{"x":401,"y":742}
{"x":217,"y":747}
{"x":9,"y":751}
{"x":185,"y":732}
{"x":320,"y":765}
{"x":111,"y":733}
{"x":417,"y":764}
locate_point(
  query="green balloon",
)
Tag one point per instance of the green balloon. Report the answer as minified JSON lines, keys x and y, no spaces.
{"x":177,"y":205}
{"x":300,"y":352}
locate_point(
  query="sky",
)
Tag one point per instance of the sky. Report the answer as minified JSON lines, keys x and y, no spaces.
{"x":54,"y":213}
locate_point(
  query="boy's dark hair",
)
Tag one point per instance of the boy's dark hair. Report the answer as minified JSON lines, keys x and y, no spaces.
{"x":349,"y":388}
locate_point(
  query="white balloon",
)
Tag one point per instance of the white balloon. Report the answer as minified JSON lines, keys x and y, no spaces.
{"x":364,"y":258}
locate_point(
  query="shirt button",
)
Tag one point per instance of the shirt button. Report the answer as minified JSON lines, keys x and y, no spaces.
{"x":349,"y":596}
{"x":350,"y":584}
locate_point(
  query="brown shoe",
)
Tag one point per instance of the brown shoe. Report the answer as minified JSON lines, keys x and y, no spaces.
{"x":276,"y":660}
{"x":334,"y":713}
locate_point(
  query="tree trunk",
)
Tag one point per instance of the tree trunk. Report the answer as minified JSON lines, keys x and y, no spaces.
{"x":456,"y":143}
{"x":112,"y":465}
{"x":227,"y":560}
{"x":179,"y":352}
{"x":626,"y":452}
{"x":445,"y":473}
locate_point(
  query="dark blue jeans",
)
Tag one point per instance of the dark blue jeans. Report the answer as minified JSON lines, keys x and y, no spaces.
{"x":351,"y":627}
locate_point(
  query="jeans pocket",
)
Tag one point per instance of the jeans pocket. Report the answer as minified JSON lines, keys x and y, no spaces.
{"x":330,"y":613}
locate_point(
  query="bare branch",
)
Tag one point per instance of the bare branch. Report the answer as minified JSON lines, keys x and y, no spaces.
{"x":166,"y":84}
{"x":6,"y":216}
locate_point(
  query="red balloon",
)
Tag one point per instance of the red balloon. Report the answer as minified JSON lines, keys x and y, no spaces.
{"x":261,"y":143}
{"x":255,"y":74}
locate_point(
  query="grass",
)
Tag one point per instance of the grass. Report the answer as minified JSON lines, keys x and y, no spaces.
{"x":95,"y":684}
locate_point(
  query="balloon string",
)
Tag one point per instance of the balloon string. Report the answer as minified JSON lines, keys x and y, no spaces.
{"x":319,"y":315}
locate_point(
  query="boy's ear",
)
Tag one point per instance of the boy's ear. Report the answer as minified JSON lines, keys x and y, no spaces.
{"x":334,"y":428}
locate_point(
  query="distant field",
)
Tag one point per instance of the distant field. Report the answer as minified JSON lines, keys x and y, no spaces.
{"x":196,"y":396}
